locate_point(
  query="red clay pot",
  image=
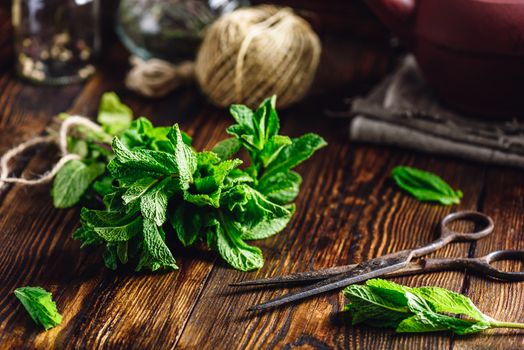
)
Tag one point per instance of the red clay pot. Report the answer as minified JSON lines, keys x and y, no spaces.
{"x":470,"y":51}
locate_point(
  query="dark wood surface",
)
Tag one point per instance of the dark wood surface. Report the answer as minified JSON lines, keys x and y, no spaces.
{"x":348,"y":211}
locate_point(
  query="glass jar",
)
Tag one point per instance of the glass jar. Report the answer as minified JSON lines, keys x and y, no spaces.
{"x":168,"y":29}
{"x":56,"y":41}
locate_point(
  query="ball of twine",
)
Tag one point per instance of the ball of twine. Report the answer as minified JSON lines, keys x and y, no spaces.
{"x":252,"y":53}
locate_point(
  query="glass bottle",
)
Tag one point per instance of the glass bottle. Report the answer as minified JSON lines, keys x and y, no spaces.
{"x":168,"y":29}
{"x":56,"y":41}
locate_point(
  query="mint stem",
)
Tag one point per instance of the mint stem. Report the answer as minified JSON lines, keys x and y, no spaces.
{"x":499,"y":324}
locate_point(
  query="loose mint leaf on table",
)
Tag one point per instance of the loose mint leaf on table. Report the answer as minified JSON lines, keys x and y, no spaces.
{"x":73,"y":180}
{"x":39,"y":304}
{"x":425,"y":186}
{"x":382,"y":303}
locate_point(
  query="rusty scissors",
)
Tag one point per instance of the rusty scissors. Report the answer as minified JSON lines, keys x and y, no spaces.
{"x":398,"y":264}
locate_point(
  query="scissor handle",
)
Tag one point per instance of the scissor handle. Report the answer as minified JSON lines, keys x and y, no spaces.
{"x":499,"y":255}
{"x":451,"y":235}
{"x":482,"y":265}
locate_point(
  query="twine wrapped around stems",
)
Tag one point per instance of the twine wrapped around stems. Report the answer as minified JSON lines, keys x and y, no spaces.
{"x":60,"y":140}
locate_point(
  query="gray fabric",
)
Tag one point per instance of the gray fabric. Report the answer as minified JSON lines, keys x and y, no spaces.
{"x":402,"y":111}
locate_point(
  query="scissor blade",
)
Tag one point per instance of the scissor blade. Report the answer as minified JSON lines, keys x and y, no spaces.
{"x":364,"y":271}
{"x":299,"y":277}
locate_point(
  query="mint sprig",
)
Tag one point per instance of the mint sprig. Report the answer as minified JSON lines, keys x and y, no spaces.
{"x":381,"y":303}
{"x":157,"y":185}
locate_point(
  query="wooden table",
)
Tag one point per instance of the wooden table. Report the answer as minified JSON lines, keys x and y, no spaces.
{"x":348,"y":211}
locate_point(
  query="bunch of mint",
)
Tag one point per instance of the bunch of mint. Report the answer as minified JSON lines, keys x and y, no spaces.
{"x":156,"y":183}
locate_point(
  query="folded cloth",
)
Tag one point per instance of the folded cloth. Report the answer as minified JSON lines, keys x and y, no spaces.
{"x":402,"y":111}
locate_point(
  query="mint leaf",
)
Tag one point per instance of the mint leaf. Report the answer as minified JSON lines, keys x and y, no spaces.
{"x":445,"y":301}
{"x":39,"y":304}
{"x":372,"y":309}
{"x":233,"y":249}
{"x":141,"y":161}
{"x":268,"y":226}
{"x":155,"y":254}
{"x":138,"y":189}
{"x":425,"y":186}
{"x":209,"y":179}
{"x":119,"y":232}
{"x":427,"y":321}
{"x":227,"y":148}
{"x":281,"y":187}
{"x":153,"y":203}
{"x":292,"y":155}
{"x":184,"y":157}
{"x":272,"y":149}
{"x":72,"y":181}
{"x":113,"y":115}
{"x":187,"y":222}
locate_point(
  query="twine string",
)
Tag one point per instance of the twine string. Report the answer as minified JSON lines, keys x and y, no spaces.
{"x":60,"y":140}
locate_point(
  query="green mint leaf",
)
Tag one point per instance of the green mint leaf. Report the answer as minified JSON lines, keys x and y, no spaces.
{"x":141,"y":160}
{"x":292,"y":155}
{"x":72,"y":181}
{"x":252,"y":206}
{"x":372,"y":309}
{"x":270,"y":117}
{"x":184,"y":156}
{"x":244,"y":117}
{"x":138,"y":189}
{"x":120,"y":232}
{"x":111,"y":256}
{"x":209,"y":179}
{"x":122,"y":251}
{"x":280,"y":187}
{"x":104,"y":185}
{"x":445,"y":301}
{"x":153,"y":204}
{"x":425,"y":186}
{"x":427,"y":321}
{"x":268,"y":227}
{"x":227,"y":148}
{"x":187,"y":222}
{"x":233,"y":249}
{"x":142,"y":134}
{"x":87,"y":236}
{"x":113,"y":115}
{"x":39,"y":304}
{"x":155,"y":254}
{"x":272,"y":149}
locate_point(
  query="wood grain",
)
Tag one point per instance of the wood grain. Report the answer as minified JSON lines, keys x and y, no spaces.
{"x":348,"y":211}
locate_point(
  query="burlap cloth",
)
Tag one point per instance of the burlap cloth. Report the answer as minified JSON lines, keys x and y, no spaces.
{"x":402,"y":111}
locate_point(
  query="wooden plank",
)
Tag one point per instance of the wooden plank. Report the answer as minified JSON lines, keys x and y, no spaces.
{"x":502,"y":200}
{"x":348,"y":211}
